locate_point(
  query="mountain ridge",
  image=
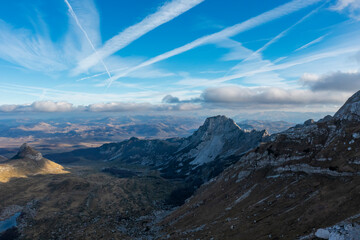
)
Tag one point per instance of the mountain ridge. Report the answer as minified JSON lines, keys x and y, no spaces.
{"x":199,"y":156}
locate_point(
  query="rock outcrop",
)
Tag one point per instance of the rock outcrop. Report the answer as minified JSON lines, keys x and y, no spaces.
{"x":28,"y":162}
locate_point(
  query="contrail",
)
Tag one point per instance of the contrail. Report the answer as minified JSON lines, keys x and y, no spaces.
{"x":279,"y":36}
{"x":312,"y":58}
{"x":165,"y":14}
{"x":100,"y":74}
{"x":263,"y":18}
{"x":311,"y":43}
{"x":86,"y":36}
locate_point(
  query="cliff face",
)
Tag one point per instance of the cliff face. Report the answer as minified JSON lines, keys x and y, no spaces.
{"x":304,"y":179}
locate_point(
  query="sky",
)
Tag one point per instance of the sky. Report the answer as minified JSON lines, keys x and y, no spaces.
{"x":178,"y":56}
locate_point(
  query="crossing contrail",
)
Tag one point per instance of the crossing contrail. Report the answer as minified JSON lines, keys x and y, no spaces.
{"x":72,"y":13}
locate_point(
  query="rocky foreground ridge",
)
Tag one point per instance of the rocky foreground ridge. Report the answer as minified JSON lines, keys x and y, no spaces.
{"x":302,"y":184}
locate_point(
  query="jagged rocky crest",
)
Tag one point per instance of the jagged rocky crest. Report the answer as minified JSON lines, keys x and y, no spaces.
{"x":26,"y":151}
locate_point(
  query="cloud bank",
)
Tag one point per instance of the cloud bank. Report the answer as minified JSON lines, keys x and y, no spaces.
{"x":52,"y":107}
{"x":40,"y":106}
{"x":336,"y":81}
{"x":235,"y":95}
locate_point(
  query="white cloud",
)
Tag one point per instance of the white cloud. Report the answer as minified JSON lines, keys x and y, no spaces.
{"x":35,"y":50}
{"x":40,"y":106}
{"x":221,"y":98}
{"x":170,"y":99}
{"x":8,"y":108}
{"x":49,"y":106}
{"x":186,"y":107}
{"x":119,"y":107}
{"x":165,"y":14}
{"x":250,"y":97}
{"x":351,"y":7}
{"x":32,"y":51}
{"x":336,"y":81}
{"x":261,"y":19}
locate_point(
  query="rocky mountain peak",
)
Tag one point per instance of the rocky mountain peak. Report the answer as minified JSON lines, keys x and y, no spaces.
{"x":219,"y":124}
{"x":26,"y":151}
{"x":350,"y":110}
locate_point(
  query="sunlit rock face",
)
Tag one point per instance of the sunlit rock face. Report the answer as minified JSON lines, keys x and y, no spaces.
{"x":28,"y":162}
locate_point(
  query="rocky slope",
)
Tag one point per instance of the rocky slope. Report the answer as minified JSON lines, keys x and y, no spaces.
{"x":28,"y":162}
{"x":302,"y":184}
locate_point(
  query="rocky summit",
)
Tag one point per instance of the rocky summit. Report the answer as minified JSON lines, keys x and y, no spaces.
{"x":28,"y":162}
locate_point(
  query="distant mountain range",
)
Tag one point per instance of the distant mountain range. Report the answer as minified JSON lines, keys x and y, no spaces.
{"x":59,"y":135}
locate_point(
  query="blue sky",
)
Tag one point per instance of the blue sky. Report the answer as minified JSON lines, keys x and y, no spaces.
{"x":178,"y":55}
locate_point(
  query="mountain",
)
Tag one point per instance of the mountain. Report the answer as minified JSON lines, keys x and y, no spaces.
{"x":303,"y":183}
{"x":28,"y":162}
{"x":201,"y":154}
{"x":211,"y":148}
{"x":270,"y":126}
